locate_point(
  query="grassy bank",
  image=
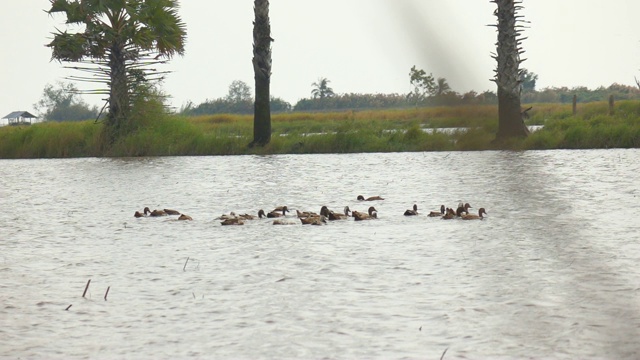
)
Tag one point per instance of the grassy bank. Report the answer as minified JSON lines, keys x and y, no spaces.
{"x":342,"y":132}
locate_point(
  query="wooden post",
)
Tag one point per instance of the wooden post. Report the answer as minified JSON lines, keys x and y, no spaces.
{"x":575,"y":105}
{"x":611,"y":105}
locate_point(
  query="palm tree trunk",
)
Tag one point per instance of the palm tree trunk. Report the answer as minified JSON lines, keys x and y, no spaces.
{"x":118,"y":94}
{"x":262,"y":70}
{"x":510,"y":121}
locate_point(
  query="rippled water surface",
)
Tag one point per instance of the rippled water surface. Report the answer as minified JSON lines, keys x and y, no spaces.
{"x":552,"y":272}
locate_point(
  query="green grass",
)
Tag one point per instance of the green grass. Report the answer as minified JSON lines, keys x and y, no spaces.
{"x":398,"y":130}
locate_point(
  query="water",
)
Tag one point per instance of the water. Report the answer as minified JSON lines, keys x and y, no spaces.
{"x":551,"y":273}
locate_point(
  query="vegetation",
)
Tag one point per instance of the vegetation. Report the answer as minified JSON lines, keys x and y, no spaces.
{"x":63,"y":103}
{"x":118,"y":42}
{"x":470,"y":127}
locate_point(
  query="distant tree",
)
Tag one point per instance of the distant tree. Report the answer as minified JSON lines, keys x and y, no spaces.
{"x":423,"y":84}
{"x":321,"y":89}
{"x":262,"y":71}
{"x":63,"y":103}
{"x":510,"y":120}
{"x":239,"y":91}
{"x":528,"y":80}
{"x":118,"y":41}
{"x":441,"y":87}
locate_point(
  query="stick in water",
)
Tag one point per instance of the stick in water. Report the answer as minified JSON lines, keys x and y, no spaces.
{"x":185,"y":264}
{"x":68,"y":307}
{"x":86,"y":288}
{"x":107,"y":293}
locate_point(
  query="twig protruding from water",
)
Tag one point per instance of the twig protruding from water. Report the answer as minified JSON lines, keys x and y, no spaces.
{"x":185,"y":264}
{"x":86,"y":288}
{"x":106,"y":293}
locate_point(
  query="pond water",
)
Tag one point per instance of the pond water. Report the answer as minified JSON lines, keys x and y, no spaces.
{"x":552,"y":272}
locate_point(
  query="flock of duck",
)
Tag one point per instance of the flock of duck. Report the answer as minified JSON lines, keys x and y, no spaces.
{"x":280,"y":217}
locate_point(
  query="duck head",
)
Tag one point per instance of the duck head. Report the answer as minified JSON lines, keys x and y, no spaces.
{"x":360,"y":198}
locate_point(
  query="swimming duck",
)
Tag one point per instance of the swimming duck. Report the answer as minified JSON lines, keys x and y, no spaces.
{"x":185,"y":217}
{"x":261,"y":214}
{"x":314,"y":220}
{"x":451,"y":214}
{"x":437,"y":213}
{"x":372,"y":214}
{"x":144,"y":213}
{"x":283,"y":222}
{"x":171,"y":212}
{"x":274,"y":213}
{"x":412,"y":212}
{"x":305,"y":214}
{"x":475,"y":217}
{"x":372,"y":198}
{"x":335,"y":216}
{"x":463,"y":209}
{"x":233,"y":221}
{"x":155,"y":213}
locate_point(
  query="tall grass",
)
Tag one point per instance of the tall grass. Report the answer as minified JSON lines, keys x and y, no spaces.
{"x":415,"y":129}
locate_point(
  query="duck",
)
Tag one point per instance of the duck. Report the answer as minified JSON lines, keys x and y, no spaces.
{"x":232,"y":221}
{"x":171,"y":212}
{"x":371,"y":198}
{"x":412,"y":212}
{"x":372,"y":214}
{"x":474,"y":216}
{"x":437,"y":213}
{"x":335,"y":216}
{"x":451,"y":214}
{"x":230,"y":215}
{"x":185,"y":217}
{"x":305,"y":214}
{"x":144,"y":213}
{"x":283,"y":222}
{"x":261,"y":214}
{"x":156,"y":213}
{"x":314,"y":220}
{"x":463,"y":209}
{"x":274,"y":213}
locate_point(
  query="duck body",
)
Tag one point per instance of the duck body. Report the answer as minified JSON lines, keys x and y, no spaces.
{"x":463,"y":209}
{"x":232,"y":221}
{"x":438,"y":213}
{"x":144,"y":213}
{"x":412,"y":212}
{"x":156,"y":213}
{"x":371,"y":214}
{"x":185,"y":217}
{"x":332,"y":216}
{"x":278,"y":212}
{"x":451,"y":214}
{"x":314,"y":220}
{"x":371,"y":198}
{"x":171,"y":212}
{"x":481,"y":211}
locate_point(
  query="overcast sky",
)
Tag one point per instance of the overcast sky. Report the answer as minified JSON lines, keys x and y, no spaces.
{"x":361,"y":46}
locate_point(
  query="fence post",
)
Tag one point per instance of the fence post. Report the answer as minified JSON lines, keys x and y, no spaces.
{"x":575,"y":105}
{"x":611,"y":105}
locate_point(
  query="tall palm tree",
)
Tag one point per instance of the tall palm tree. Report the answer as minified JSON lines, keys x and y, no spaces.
{"x":321,"y":89}
{"x":508,"y":76}
{"x":262,"y":72}
{"x":120,"y":40}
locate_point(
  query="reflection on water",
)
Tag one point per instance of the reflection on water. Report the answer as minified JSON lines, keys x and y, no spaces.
{"x":551,"y":273}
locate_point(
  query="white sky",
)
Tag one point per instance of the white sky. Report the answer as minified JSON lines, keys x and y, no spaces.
{"x":361,"y":46}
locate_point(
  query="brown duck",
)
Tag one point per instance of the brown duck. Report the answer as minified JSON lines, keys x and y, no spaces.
{"x":372,"y":214}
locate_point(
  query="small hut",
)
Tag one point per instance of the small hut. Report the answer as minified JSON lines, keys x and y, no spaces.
{"x":20,"y":118}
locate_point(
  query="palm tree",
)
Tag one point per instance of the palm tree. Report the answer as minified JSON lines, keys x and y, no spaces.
{"x":321,"y":89}
{"x":120,"y":40}
{"x":508,"y":76}
{"x":262,"y":71}
{"x":442,"y":87}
